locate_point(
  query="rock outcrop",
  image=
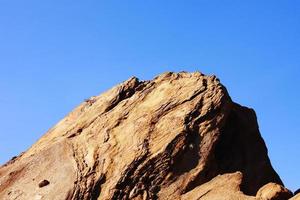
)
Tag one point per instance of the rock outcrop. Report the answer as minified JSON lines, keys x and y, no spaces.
{"x":273,"y":191}
{"x":296,"y":197}
{"x":179,"y":136}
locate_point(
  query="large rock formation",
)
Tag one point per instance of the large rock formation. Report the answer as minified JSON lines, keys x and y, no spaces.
{"x":179,"y":136}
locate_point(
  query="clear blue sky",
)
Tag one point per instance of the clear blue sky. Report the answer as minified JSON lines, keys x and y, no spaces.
{"x":54,"y":54}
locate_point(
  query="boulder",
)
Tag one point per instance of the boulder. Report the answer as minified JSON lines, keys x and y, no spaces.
{"x":273,"y":191}
{"x":177,"y":136}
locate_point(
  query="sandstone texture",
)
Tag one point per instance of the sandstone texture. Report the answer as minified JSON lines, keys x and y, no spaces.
{"x":296,"y":197}
{"x":178,"y":136}
{"x":273,"y":191}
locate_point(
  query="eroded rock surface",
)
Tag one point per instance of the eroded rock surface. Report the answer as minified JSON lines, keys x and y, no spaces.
{"x":273,"y":191}
{"x":296,"y":197}
{"x":179,"y":136}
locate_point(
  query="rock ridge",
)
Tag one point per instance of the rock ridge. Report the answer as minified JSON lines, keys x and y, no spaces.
{"x":178,"y":136}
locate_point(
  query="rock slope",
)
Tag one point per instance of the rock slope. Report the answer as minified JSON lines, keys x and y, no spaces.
{"x":178,"y":136}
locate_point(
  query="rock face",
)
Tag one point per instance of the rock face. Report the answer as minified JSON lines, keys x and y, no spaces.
{"x":296,"y":197}
{"x":179,"y":136}
{"x":273,"y":191}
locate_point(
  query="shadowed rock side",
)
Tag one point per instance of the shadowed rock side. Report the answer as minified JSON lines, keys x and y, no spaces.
{"x":178,"y":136}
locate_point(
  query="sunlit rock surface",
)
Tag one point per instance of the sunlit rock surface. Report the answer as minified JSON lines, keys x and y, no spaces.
{"x":178,"y":136}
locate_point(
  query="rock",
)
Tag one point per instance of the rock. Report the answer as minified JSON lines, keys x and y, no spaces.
{"x":296,"y":197}
{"x":273,"y":191}
{"x":226,"y":186}
{"x":43,"y":183}
{"x":177,"y":136}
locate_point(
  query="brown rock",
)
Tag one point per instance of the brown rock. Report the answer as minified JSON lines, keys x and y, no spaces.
{"x":296,"y":197}
{"x":43,"y":183}
{"x":168,"y":138}
{"x":222,"y":187}
{"x":273,"y":191}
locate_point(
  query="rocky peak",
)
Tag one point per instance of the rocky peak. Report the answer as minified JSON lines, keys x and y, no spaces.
{"x":178,"y":136}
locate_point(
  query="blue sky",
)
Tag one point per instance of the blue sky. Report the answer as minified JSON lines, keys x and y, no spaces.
{"x":54,"y":54}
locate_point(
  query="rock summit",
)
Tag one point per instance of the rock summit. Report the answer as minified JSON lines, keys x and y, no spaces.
{"x":178,"y":136}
